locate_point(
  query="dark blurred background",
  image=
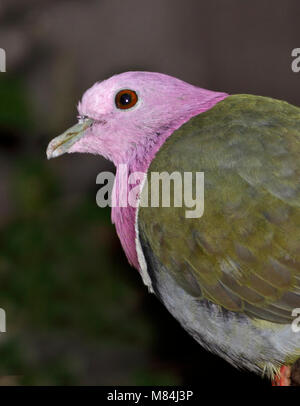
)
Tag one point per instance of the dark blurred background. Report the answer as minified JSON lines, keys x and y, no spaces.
{"x":76,"y":312}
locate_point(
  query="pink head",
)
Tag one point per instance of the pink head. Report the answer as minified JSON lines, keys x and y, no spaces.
{"x":125,"y":134}
{"x":126,"y":119}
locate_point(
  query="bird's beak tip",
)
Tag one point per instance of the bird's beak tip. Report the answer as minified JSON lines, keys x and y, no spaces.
{"x":64,"y":142}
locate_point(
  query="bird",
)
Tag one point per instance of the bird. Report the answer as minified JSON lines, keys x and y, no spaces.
{"x":231,"y":277}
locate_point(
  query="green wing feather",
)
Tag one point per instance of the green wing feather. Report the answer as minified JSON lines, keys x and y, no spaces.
{"x":244,"y":252}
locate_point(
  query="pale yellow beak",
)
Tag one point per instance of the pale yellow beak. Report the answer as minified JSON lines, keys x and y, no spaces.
{"x":63,"y":142}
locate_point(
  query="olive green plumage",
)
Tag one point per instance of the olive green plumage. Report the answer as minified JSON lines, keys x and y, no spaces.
{"x":244,"y":252}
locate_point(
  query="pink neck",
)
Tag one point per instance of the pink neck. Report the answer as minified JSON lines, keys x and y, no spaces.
{"x":124,"y":217}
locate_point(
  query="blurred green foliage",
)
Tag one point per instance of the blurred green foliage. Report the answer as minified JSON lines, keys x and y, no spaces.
{"x":14,"y":104}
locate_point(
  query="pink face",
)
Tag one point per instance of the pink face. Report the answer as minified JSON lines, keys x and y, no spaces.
{"x":156,"y":103}
{"x":131,"y":129}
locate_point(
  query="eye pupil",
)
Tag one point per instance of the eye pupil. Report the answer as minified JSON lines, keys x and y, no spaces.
{"x":126,"y":98}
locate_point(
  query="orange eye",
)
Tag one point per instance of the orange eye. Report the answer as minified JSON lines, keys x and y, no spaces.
{"x":125,"y":99}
